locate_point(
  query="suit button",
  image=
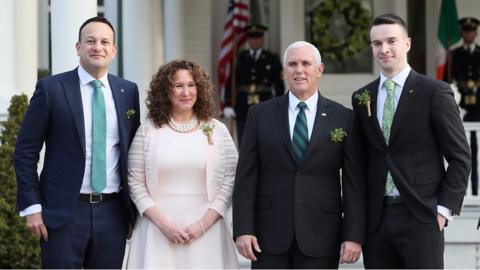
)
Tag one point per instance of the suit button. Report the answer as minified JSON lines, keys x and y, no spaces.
{"x":298,"y":174}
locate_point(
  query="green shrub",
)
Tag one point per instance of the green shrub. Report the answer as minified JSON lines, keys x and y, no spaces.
{"x":18,"y":247}
{"x":43,"y":72}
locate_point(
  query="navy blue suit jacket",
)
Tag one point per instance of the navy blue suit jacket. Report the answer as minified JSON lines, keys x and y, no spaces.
{"x":55,"y":117}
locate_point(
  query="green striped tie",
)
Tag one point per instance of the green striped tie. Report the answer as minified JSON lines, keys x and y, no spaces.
{"x":387,"y":119}
{"x":99,"y":138}
{"x":300,"y":132}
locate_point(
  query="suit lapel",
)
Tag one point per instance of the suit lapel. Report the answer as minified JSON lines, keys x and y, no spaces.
{"x":71,"y":87}
{"x":322,"y":117}
{"x":119,"y":100}
{"x":281,"y":118}
{"x":373,"y":120}
{"x":406,"y":100}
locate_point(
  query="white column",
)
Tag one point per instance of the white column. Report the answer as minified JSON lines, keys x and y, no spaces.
{"x":26,"y":44}
{"x":139,"y":44}
{"x":292,"y":23}
{"x":43,"y":34}
{"x":110,"y":11}
{"x":7,"y":46}
{"x":173,"y":25}
{"x":66,"y":18}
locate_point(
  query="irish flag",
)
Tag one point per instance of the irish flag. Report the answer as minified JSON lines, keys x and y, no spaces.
{"x":448,"y":34}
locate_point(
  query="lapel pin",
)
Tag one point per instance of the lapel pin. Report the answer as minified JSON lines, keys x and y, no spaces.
{"x":121,"y":90}
{"x":324,"y":114}
{"x":410,"y":91}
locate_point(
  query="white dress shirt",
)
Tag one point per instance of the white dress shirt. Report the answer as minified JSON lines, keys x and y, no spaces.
{"x":255,"y":54}
{"x":310,"y":111}
{"x":399,"y":80}
{"x":469,"y":48}
{"x":113,"y":139}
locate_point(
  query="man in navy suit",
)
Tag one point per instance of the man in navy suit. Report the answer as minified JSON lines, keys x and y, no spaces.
{"x":409,"y":125}
{"x":79,"y":225}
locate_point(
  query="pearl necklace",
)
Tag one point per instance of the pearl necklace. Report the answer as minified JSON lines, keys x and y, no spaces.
{"x":183,"y":128}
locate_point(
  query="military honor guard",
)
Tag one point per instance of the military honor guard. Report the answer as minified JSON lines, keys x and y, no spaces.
{"x":465,"y":70}
{"x":258,"y":77}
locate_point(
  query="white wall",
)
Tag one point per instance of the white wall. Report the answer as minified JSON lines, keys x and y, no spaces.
{"x":198,"y":32}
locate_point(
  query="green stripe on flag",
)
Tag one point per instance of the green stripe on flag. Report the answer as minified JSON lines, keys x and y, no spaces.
{"x":448,"y":28}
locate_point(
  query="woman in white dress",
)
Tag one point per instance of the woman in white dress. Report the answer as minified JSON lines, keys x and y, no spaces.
{"x":181,"y":172}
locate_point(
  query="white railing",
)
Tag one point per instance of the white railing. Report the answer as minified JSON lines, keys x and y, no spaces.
{"x":470,"y":199}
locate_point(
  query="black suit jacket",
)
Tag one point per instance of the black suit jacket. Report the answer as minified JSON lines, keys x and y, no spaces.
{"x":276,"y":199}
{"x":426,"y":129}
{"x":55,"y":117}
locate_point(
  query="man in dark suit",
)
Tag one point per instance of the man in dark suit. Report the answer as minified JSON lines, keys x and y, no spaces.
{"x":287,"y":199}
{"x":410,"y":123}
{"x":258,"y":78}
{"x":79,"y":206}
{"x":466,"y":75}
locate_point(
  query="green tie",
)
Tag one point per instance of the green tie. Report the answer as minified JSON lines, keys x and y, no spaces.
{"x":388,"y":111}
{"x":300,"y":133}
{"x":99,"y":138}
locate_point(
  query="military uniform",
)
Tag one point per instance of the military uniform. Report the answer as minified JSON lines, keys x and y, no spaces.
{"x":466,"y":74}
{"x":465,"y":70}
{"x":258,"y":78}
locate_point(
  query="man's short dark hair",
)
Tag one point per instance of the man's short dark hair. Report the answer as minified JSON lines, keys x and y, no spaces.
{"x":390,"y":18}
{"x":96,"y":19}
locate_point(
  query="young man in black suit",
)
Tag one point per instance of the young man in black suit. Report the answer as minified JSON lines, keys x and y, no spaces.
{"x":288,"y":209}
{"x":410,"y":124}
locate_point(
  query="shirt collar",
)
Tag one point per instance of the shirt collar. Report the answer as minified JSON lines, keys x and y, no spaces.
{"x":86,"y":78}
{"x":311,"y":102}
{"x":399,"y":79}
{"x":469,"y":48}
{"x":257,"y":51}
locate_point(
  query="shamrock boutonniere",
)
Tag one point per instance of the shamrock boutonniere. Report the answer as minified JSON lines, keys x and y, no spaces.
{"x":365,"y":99}
{"x":207,"y":129}
{"x":337,"y":135}
{"x":130,"y":113}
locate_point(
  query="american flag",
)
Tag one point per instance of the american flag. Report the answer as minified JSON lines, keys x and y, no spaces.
{"x":234,"y":36}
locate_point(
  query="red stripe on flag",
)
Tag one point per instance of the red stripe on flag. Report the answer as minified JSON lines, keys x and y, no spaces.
{"x":234,"y":36}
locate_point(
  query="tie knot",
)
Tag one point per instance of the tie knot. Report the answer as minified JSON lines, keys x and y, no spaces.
{"x":97,"y":84}
{"x":302,"y":106}
{"x":389,"y":85}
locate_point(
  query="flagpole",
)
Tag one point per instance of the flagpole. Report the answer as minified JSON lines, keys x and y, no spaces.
{"x":449,"y":66}
{"x":234,"y":73}
{"x":233,"y":81}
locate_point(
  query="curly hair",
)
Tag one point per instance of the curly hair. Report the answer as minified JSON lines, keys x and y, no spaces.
{"x":161,"y":87}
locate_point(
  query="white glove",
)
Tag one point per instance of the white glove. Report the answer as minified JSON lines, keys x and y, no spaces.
{"x":228,"y":112}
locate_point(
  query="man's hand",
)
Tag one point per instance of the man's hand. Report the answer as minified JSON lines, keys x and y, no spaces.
{"x":244,"y":245}
{"x":36,"y":226}
{"x":228,"y":112}
{"x":350,"y":252}
{"x":441,"y":221}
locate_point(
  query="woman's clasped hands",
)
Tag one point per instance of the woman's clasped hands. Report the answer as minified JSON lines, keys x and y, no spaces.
{"x":176,"y":235}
